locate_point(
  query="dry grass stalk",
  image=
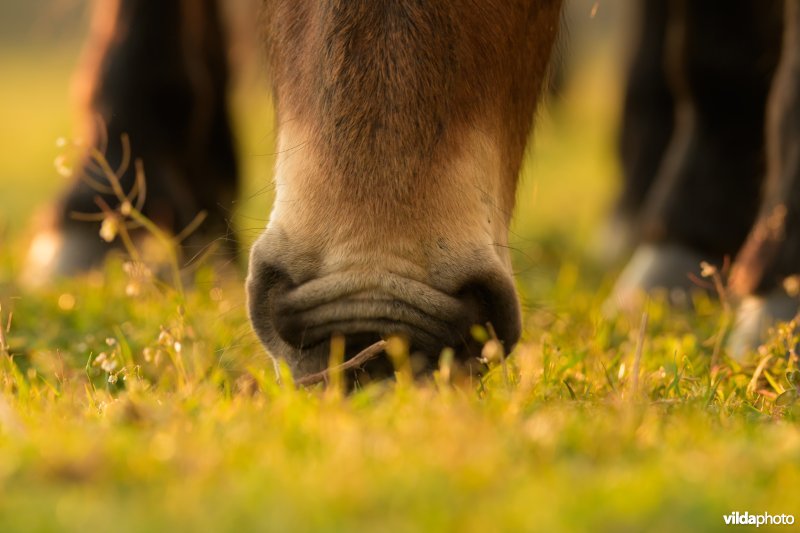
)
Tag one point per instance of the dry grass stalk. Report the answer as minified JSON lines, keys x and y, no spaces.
{"x":367,"y":354}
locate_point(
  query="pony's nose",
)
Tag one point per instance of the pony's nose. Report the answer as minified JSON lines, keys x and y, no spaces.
{"x":296,"y":321}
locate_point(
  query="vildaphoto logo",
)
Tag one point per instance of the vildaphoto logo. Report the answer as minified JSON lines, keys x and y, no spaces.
{"x":763,"y":519}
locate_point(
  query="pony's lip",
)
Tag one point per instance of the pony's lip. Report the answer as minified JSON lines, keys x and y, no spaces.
{"x":359,"y":303}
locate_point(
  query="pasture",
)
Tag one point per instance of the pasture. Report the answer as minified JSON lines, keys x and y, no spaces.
{"x":127,"y":404}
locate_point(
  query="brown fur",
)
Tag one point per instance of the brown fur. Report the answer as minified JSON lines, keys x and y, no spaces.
{"x":402,"y":127}
{"x":388,"y":86}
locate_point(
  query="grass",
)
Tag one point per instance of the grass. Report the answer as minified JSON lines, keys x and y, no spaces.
{"x":124,"y":405}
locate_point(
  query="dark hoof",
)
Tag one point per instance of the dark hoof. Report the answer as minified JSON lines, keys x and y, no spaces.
{"x":56,"y":252}
{"x":666,"y":268}
{"x":754,"y":316}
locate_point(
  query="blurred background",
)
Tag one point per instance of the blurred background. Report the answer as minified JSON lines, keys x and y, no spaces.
{"x":570,"y":175}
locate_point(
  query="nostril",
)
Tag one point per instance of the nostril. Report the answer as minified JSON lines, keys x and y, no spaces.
{"x":493,"y":300}
{"x":264,"y":281}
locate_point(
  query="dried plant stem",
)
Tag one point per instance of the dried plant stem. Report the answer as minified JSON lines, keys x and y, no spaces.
{"x":111,"y":176}
{"x":501,"y":353}
{"x":725,"y":322}
{"x":167,"y":242}
{"x":3,"y":343}
{"x":131,"y":205}
{"x":363,"y":356}
{"x":637,"y":360}
{"x":751,"y":386}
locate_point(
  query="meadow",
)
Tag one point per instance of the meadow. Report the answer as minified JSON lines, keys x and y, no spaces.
{"x":128,"y":404}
